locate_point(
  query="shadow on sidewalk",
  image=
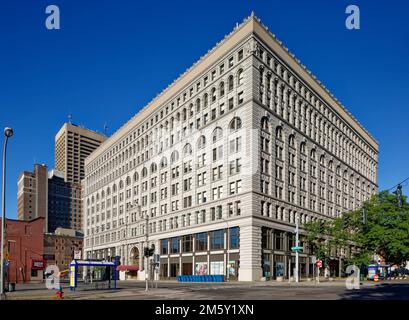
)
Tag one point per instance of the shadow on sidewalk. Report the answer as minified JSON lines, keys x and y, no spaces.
{"x":384,"y":291}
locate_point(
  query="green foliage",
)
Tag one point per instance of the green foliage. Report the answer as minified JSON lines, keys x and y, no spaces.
{"x":386,"y":231}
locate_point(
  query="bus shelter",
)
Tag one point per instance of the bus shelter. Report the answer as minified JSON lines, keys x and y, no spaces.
{"x":75,"y":264}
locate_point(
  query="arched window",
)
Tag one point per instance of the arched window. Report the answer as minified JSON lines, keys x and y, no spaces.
{"x":128,"y":181}
{"x":121,"y":184}
{"x":174,"y":157}
{"x":144,"y":172}
{"x":338,"y":170}
{"x":102,"y":194}
{"x":240,"y":77}
{"x":213,"y":94}
{"x":322,"y":160}
{"x":291,"y":140}
{"x":230,"y":83}
{"x":108,"y":191}
{"x":184,"y":114}
{"x":217,"y":134}
{"x":114,"y":188}
{"x":264,"y":124}
{"x":345,"y":174}
{"x":313,"y":154}
{"x":163,"y":163}
{"x":187,"y":150}
{"x":92,"y":199}
{"x":235,"y":124}
{"x":154,"y":167}
{"x":205,"y":100}
{"x":197,"y":105}
{"x":303,"y":148}
{"x":135,"y":177}
{"x":330,"y":165}
{"x":221,"y":89}
{"x":279,"y":133}
{"x":201,"y":142}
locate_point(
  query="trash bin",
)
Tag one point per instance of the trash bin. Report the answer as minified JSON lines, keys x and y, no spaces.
{"x":12,"y":287}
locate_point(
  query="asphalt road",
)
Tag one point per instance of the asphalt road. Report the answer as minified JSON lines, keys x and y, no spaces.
{"x":135,"y":290}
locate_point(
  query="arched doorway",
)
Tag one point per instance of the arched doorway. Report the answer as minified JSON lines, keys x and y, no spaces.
{"x":134,"y":261}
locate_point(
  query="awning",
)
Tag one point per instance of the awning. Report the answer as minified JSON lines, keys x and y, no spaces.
{"x":126,"y":268}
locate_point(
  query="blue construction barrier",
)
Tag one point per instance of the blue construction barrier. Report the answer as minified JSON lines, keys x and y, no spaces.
{"x":201,"y":278}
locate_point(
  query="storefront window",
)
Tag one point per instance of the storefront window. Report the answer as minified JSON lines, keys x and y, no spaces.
{"x":279,"y":241}
{"x":187,"y":243}
{"x":266,"y":238}
{"x":234,"y":238}
{"x":201,"y":241}
{"x":164,"y":246}
{"x":174,"y":246}
{"x":217,"y":239}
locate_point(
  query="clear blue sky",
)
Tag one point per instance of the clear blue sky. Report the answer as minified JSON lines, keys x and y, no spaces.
{"x":112,"y":57}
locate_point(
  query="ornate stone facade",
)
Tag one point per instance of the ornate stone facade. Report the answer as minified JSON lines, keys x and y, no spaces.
{"x":228,"y":156}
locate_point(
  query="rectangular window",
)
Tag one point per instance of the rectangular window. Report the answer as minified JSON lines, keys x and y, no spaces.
{"x":164,"y":246}
{"x":234,"y":236}
{"x":174,"y":245}
{"x":217,"y":240}
{"x":201,"y":241}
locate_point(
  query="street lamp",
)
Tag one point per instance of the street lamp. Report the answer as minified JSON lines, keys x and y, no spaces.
{"x":8,"y":132}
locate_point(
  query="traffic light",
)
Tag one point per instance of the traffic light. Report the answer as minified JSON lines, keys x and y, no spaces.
{"x":146,"y":252}
{"x":398,"y":193}
{"x":149,"y":252}
{"x":152,"y":250}
{"x":321,"y":227}
{"x":364,"y":217}
{"x":345,"y":221}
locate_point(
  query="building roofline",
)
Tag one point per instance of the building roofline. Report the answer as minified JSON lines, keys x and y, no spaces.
{"x":253,"y":25}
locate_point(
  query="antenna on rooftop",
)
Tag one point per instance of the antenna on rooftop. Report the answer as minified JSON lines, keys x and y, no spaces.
{"x":105,"y":128}
{"x":70,"y":118}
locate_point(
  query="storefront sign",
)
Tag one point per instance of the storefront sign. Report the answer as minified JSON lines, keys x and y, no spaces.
{"x":37,"y":265}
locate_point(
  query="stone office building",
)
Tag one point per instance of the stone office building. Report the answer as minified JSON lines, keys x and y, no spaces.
{"x":216,"y":169}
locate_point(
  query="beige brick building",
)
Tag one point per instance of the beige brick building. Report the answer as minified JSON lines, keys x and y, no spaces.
{"x":72,"y":145}
{"x":223,"y":161}
{"x":32,"y":201}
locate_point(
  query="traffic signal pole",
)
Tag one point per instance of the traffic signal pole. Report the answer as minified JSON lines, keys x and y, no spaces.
{"x":297,"y":244}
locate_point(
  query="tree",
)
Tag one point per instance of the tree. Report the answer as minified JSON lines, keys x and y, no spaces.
{"x":387,"y":230}
{"x":380,"y":226}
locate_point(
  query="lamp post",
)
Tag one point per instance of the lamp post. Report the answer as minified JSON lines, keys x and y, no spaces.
{"x":8,"y":132}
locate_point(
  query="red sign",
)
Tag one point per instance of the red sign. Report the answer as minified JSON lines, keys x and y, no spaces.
{"x":376,"y":278}
{"x":38,"y":265}
{"x":319,"y":263}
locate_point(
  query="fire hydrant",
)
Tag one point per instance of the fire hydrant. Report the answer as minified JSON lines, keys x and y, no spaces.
{"x":59,"y":294}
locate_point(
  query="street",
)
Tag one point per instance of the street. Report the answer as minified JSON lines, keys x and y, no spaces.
{"x":170,"y":290}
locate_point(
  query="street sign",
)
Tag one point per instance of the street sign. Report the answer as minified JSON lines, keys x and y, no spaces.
{"x":296,"y":248}
{"x":77,"y":254}
{"x":319,"y":263}
{"x":376,"y":278}
{"x":313,"y":259}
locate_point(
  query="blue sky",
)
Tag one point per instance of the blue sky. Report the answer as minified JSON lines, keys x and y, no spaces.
{"x":112,"y":57}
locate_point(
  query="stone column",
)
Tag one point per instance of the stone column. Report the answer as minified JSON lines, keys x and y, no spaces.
{"x":250,"y":253}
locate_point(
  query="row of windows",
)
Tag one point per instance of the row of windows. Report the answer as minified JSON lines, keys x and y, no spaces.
{"x":203,"y":83}
{"x":272,"y":65}
{"x":213,"y":240}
